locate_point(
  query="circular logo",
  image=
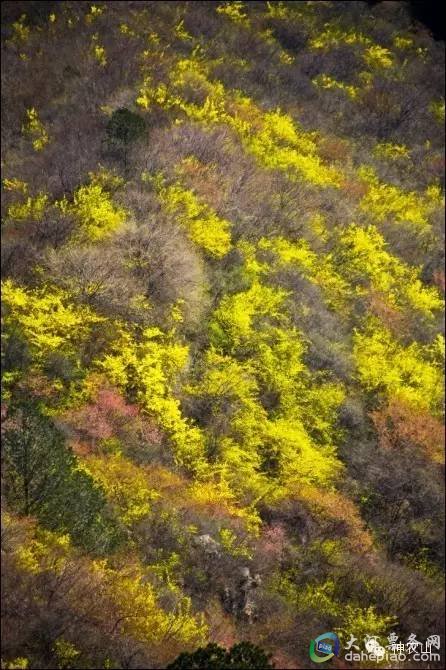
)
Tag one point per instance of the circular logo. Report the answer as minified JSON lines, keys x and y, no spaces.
{"x":324,"y":647}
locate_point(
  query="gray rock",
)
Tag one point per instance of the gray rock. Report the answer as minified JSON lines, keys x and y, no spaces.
{"x":240,"y":600}
{"x":209,"y":546}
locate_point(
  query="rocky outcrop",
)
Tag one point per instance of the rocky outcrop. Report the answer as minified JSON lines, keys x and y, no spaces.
{"x":240,"y":600}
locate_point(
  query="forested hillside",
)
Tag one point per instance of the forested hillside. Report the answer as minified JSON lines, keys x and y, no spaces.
{"x":222,"y":329}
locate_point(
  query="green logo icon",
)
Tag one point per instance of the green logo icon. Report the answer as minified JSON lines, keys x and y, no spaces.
{"x":324,"y":647}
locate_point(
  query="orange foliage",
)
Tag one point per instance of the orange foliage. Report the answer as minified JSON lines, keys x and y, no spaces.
{"x":354,"y":189}
{"x":335,"y":508}
{"x":333,"y":149}
{"x":272,"y":544}
{"x":221,"y":625}
{"x":398,"y":425}
{"x":439,"y":279}
{"x":205,"y":182}
{"x":285,"y":662}
{"x":246,"y":113}
{"x":390,"y":316}
{"x":80,"y":448}
{"x":176,"y":492}
{"x":40,"y":387}
{"x":169,"y":484}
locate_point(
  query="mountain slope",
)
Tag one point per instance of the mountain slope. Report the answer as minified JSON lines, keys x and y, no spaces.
{"x":222,"y":318}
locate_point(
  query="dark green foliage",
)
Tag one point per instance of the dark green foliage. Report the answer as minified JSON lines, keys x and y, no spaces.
{"x":125,"y":126}
{"x":214,"y":657}
{"x":42,"y":478}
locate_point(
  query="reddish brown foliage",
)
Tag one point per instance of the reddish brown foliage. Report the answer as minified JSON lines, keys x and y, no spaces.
{"x":439,"y":279}
{"x":334,"y":149}
{"x":354,"y":189}
{"x":285,"y":662}
{"x":390,"y":316}
{"x":399,"y":426}
{"x":109,"y":416}
{"x":206,"y":183}
{"x":272,"y":544}
{"x":435,"y":165}
{"x":222,"y":626}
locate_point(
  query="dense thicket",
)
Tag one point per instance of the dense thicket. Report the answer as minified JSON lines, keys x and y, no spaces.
{"x":222,"y":331}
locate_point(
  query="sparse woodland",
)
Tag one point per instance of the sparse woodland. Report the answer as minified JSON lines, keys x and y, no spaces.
{"x":222,"y":344}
